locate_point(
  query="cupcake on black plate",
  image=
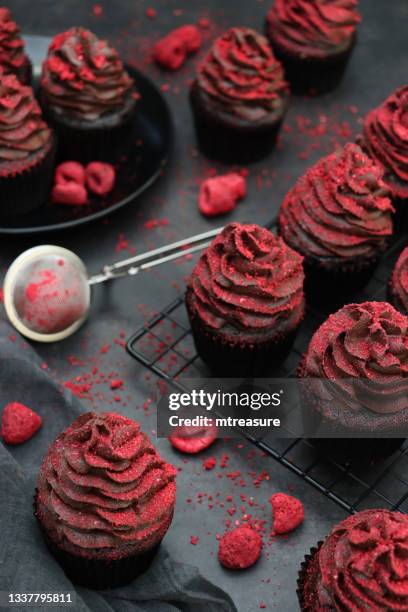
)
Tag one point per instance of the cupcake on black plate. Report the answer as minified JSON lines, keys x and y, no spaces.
{"x":13,"y":58}
{"x":314,"y":40}
{"x":27,"y":149}
{"x":88,"y":97}
{"x":104,"y":501}
{"x":385,"y":138}
{"x":239,"y":98}
{"x":245,"y":301}
{"x":339,"y":217}
{"x":361,"y":565}
{"x":354,"y":382}
{"x":398,"y":285}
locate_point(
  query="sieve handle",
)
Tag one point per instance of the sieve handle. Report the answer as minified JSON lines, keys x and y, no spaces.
{"x":133,"y":265}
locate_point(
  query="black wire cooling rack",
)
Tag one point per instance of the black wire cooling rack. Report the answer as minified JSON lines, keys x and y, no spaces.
{"x":165,"y":346}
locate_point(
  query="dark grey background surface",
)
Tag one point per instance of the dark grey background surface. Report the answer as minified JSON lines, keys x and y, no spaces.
{"x":379,"y":64}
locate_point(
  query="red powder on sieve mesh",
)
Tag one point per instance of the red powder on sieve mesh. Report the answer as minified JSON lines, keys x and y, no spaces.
{"x":52,"y":301}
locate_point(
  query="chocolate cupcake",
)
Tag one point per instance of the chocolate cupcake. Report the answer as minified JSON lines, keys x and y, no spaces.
{"x":239,"y":98}
{"x":13,"y":59}
{"x":362,"y":565}
{"x":27,"y":149}
{"x":354,"y":382}
{"x":385,"y":138}
{"x":314,"y":40}
{"x":104,"y":500}
{"x":88,"y":97}
{"x":339,"y":217}
{"x":245,"y":301}
{"x":398,"y":285}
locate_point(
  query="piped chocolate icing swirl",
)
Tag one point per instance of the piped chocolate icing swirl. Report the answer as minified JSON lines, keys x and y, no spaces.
{"x":399,"y":282}
{"x":339,"y":209}
{"x":313,"y":27}
{"x":363,"y":349}
{"x":104,"y":488}
{"x":385,"y":135}
{"x":23,"y":132}
{"x":250,"y":280}
{"x":242,"y":76}
{"x":364,"y":564}
{"x":83,"y":76}
{"x":12,"y":55}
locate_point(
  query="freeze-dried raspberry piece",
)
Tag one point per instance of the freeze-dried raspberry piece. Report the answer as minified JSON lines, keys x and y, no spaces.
{"x":19,"y":423}
{"x":193,"y":440}
{"x":240,"y":548}
{"x":100,"y":177}
{"x":220,"y":194}
{"x":72,"y":194}
{"x":288,"y":513}
{"x":172,"y":50}
{"x":68,"y":172}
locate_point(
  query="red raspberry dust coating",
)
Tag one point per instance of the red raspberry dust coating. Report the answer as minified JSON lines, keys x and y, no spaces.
{"x":288,"y":513}
{"x":103,"y":489}
{"x":53,"y":300}
{"x":100,"y":178}
{"x":193,"y":440}
{"x":19,"y":423}
{"x":240,"y":548}
{"x":70,"y":171}
{"x":220,"y":194}
{"x":171,"y":51}
{"x":361,"y":566}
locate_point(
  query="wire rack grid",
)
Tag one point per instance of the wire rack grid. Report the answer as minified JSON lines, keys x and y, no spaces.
{"x":165,"y":346}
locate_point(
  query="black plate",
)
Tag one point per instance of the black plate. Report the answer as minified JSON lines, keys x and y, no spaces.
{"x":153,"y":126}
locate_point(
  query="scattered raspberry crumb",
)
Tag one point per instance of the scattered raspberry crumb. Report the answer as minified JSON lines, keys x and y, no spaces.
{"x":204,"y":23}
{"x":288,"y":513}
{"x":19,"y":423}
{"x":262,"y":605}
{"x":220,"y":194}
{"x":152,"y":223}
{"x":151,"y":12}
{"x":97,"y":10}
{"x":171,"y":51}
{"x":123,"y":244}
{"x":80,"y":390}
{"x":210,"y":463}
{"x":194,"y":540}
{"x":116,"y":384}
{"x":240,"y":548}
{"x":1,"y":295}
{"x":224,"y":460}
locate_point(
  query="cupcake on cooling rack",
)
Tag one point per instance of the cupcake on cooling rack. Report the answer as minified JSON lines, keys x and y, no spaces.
{"x":314,"y":40}
{"x":239,"y":98}
{"x":339,"y":217}
{"x":245,"y":301}
{"x":361,"y":565}
{"x":27,"y":149}
{"x":398,"y":285}
{"x":354,"y":382}
{"x":104,"y":500}
{"x":88,"y":97}
{"x":13,"y":59}
{"x":385,"y":138}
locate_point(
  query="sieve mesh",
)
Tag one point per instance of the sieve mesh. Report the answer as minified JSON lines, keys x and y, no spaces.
{"x":49,"y":292}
